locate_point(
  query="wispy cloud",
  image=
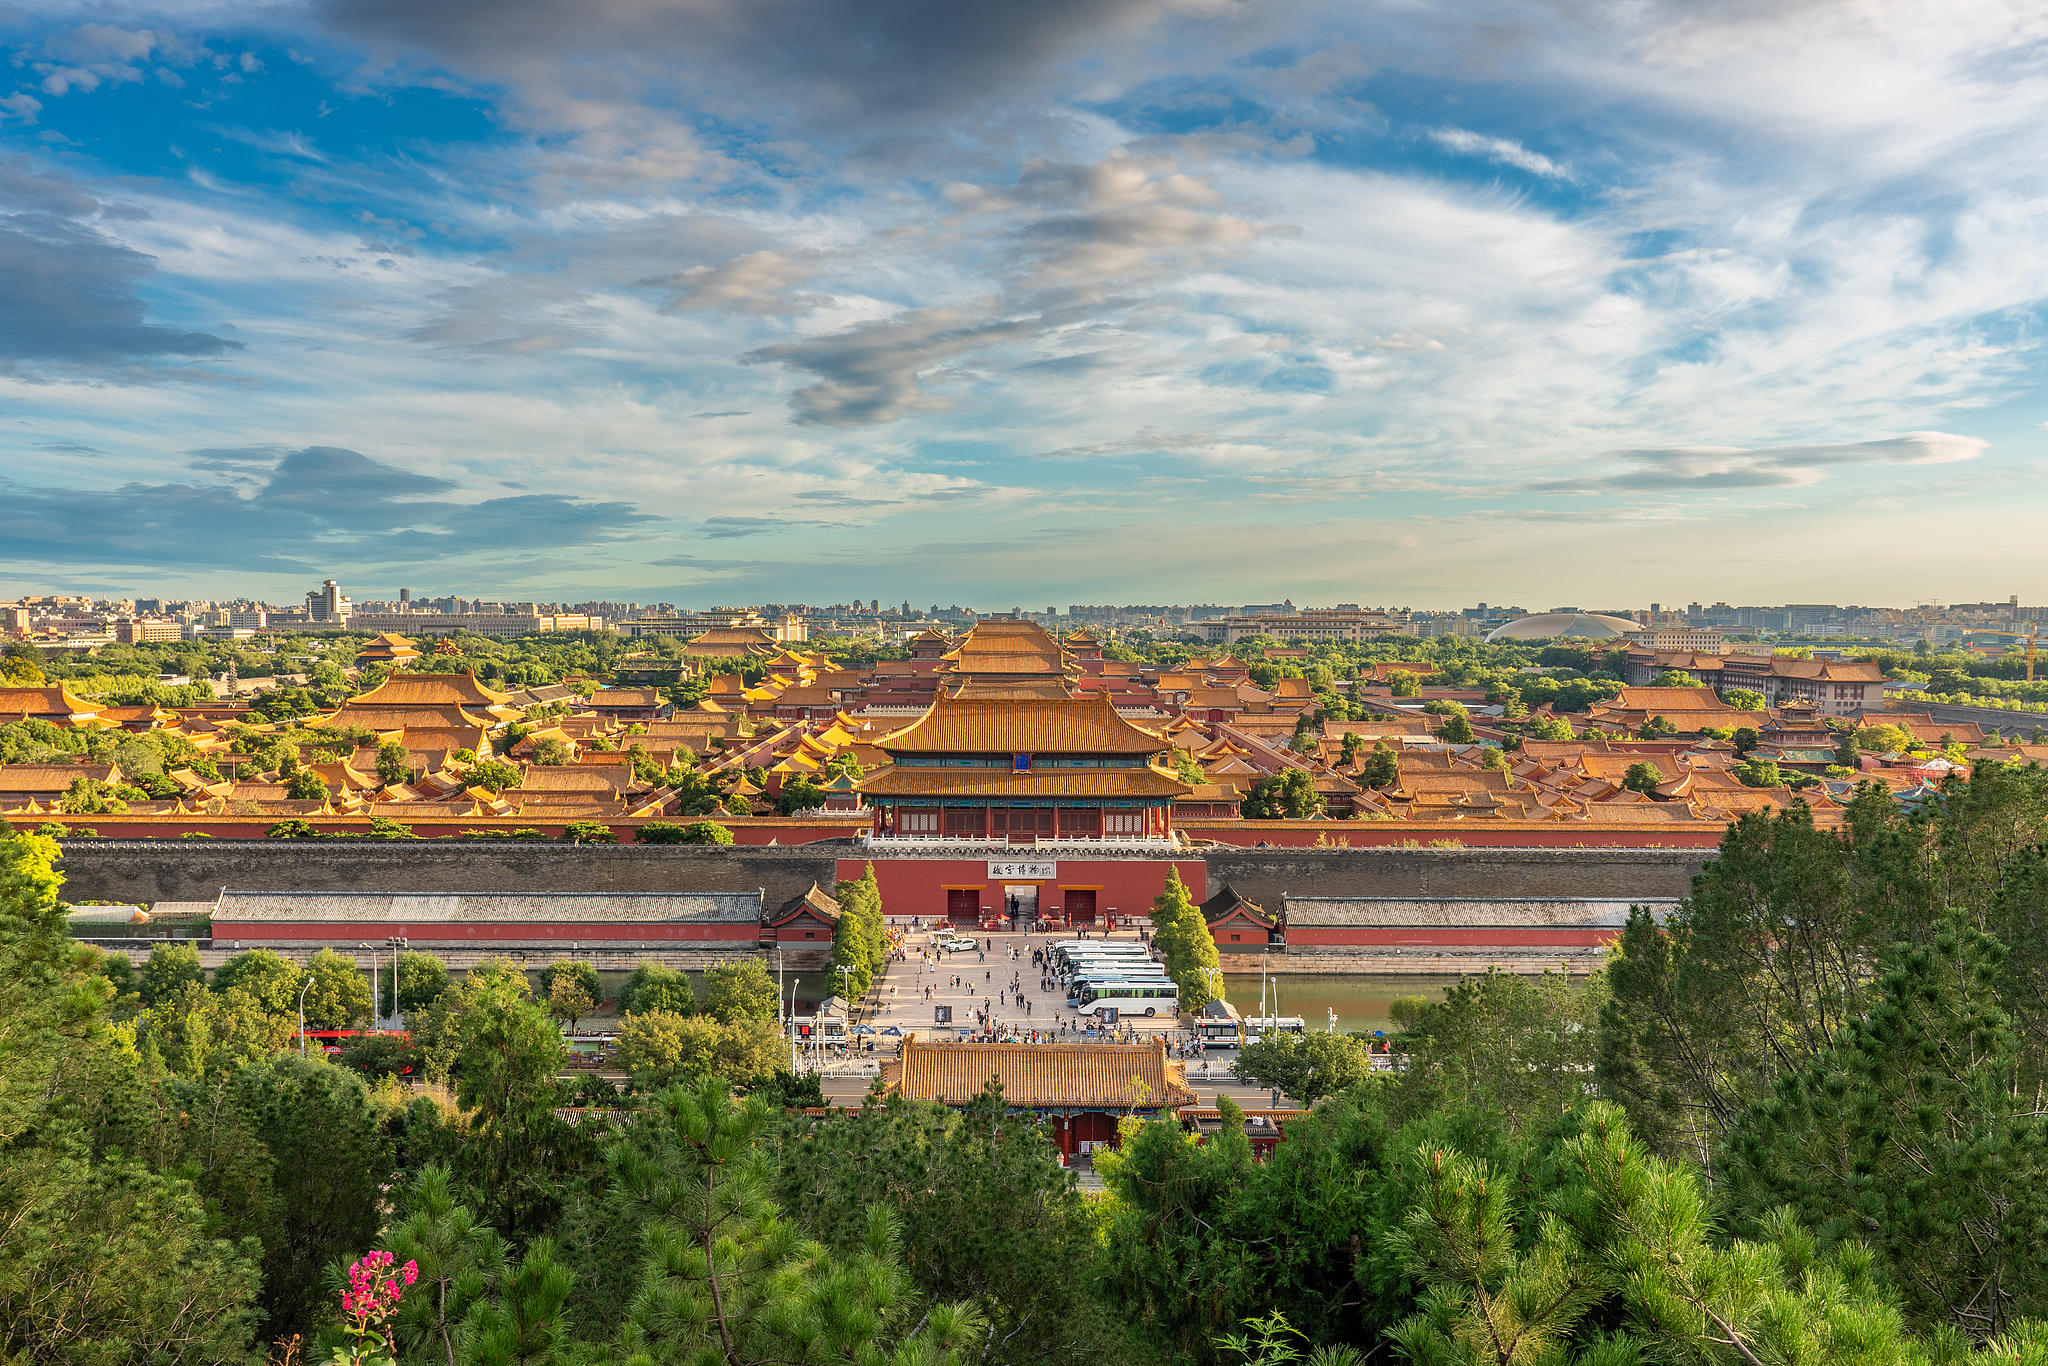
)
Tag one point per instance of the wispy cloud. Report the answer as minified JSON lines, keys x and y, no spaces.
{"x":1503,"y":150}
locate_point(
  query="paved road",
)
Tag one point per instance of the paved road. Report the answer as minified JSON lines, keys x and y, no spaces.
{"x":986,"y":975}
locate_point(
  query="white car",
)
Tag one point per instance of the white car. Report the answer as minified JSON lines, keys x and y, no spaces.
{"x":955,"y":943}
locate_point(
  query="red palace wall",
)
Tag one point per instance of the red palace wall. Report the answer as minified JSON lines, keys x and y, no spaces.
{"x":918,"y":886}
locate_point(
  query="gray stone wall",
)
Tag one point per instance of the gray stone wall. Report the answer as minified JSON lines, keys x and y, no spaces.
{"x":1265,"y":875}
{"x":196,"y":870}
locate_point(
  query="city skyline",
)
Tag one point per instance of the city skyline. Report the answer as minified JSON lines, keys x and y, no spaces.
{"x":626,"y":302}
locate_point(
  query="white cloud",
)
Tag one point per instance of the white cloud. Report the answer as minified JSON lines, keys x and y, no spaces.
{"x":1467,"y":143}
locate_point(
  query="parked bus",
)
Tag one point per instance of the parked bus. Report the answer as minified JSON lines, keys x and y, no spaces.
{"x":1068,"y":963}
{"x":1146,"y":998}
{"x":1066,"y":955}
{"x":1218,"y":1027}
{"x":1078,"y":989}
{"x":1257,"y":1027}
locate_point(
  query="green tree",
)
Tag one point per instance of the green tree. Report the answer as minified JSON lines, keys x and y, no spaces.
{"x":201,"y":1033}
{"x":988,"y":1216}
{"x":651,"y":986}
{"x":1745,"y":739}
{"x":1759,"y":773}
{"x":740,"y":991}
{"x":799,"y":794}
{"x":1185,"y":944}
{"x":383,"y":828}
{"x":697,"y":832}
{"x":394,"y":764}
{"x":1754,"y":974}
{"x":339,"y":997}
{"x":306,"y":786}
{"x":728,"y":1282}
{"x":1885,"y":739}
{"x":1405,"y":683}
{"x":487,"y":1036}
{"x":1743,"y":699}
{"x":329,"y":1159}
{"x":460,"y":1260}
{"x":1457,"y":729}
{"x":415,"y":982}
{"x":549,"y":751}
{"x":858,"y":940}
{"x":90,"y":797}
{"x":1674,"y":678}
{"x":1622,"y":1272}
{"x":1304,"y":1066}
{"x":1382,"y":768}
{"x":1642,"y":777}
{"x":1187,"y":770}
{"x":571,"y":990}
{"x":170,"y":967}
{"x":1286,"y":796}
{"x":1512,"y":1050}
{"x":270,"y":977}
{"x":1549,"y":728}
{"x":589,"y":832}
{"x":658,"y":1049}
{"x":1911,"y":1135}
{"x":294,"y":829}
{"x":493,"y":775}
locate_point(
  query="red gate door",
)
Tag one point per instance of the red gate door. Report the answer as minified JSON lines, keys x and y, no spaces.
{"x":1080,"y":905}
{"x":963,"y":903}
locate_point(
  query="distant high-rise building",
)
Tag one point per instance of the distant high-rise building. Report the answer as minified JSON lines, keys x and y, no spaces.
{"x":326,"y":605}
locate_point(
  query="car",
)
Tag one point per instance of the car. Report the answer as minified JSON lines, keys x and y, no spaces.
{"x":957,"y":943}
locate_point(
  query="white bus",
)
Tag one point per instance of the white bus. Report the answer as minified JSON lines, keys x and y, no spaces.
{"x":1147,"y":998}
{"x":1256,"y":1027}
{"x":1068,"y":964}
{"x":1096,"y":976}
{"x":1067,"y":955}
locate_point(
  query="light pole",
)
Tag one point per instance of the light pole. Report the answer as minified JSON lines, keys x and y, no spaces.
{"x":302,"y":1015}
{"x":793,"y":983}
{"x":373,"y":981}
{"x":396,"y":943}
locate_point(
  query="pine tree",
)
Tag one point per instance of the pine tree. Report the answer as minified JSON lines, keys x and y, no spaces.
{"x":1181,"y":934}
{"x":1910,"y":1135}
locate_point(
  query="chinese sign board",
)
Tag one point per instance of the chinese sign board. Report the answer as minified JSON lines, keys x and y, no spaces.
{"x":999,"y":869}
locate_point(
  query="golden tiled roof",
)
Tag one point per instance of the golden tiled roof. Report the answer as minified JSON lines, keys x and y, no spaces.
{"x":432,"y":690}
{"x":44,"y":703}
{"x":1013,"y":689}
{"x":1109,"y":783}
{"x":1114,"y":1076}
{"x":1079,"y":725}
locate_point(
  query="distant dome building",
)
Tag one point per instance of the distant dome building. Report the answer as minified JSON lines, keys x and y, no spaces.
{"x":1547,"y":625}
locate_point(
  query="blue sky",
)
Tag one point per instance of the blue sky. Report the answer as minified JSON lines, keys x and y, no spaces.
{"x":1130,"y":300}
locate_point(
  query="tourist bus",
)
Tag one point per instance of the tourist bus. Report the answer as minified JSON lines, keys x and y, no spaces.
{"x":1078,"y":989}
{"x":1147,"y":998}
{"x":1218,"y":1027}
{"x":1257,"y":1027}
{"x":1065,"y":964}
{"x":1076,"y":950}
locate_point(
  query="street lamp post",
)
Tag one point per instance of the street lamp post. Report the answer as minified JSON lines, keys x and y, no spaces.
{"x":302,"y":1014}
{"x":793,"y":983}
{"x":373,"y":981}
{"x":396,"y":943}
